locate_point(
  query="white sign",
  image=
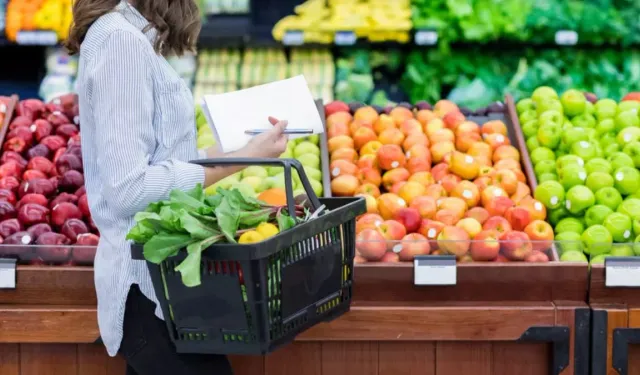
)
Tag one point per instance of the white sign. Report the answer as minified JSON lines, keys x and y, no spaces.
{"x":426,"y":37}
{"x":622,"y":272}
{"x":566,"y":38}
{"x":7,"y":273}
{"x":37,"y":38}
{"x":293,"y":38}
{"x":434,"y":270}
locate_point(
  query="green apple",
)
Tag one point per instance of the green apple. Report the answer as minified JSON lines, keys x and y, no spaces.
{"x":635,"y":223}
{"x":317,"y":187}
{"x":627,"y":180}
{"x":530,"y":128}
{"x":609,"y":197}
{"x":598,"y":180}
{"x":551,"y":117}
{"x":568,"y":160}
{"x":619,"y":225}
{"x":607,"y":139}
{"x":554,"y":216}
{"x":569,"y":224}
{"x":310,"y":160}
{"x":596,"y":240}
{"x":573,"y":102}
{"x":629,"y":105}
{"x":592,"y":134}
{"x":255,"y":182}
{"x":627,"y":135}
{"x":589,"y":108}
{"x":567,"y":124}
{"x":543,"y":92}
{"x":573,"y":256}
{"x":529,"y":115}
{"x":313,"y":173}
{"x":542,"y":153}
{"x":578,"y":199}
{"x":256,"y":171}
{"x":551,"y":194}
{"x":630,"y":207}
{"x":584,"y":120}
{"x":205,"y":141}
{"x":547,"y":177}
{"x":545,"y":166}
{"x":573,"y":135}
{"x":605,"y":109}
{"x":288,"y":154}
{"x":532,"y":144}
{"x":622,"y":250}
{"x":627,"y":119}
{"x":315,"y":139}
{"x":245,"y":189}
{"x":605,"y":126}
{"x":272,"y":171}
{"x":585,"y":150}
{"x":572,"y":175}
{"x":549,"y":105}
{"x":599,"y":259}
{"x":568,"y":241}
{"x":596,"y":214}
{"x":298,"y":192}
{"x":611,"y":149}
{"x":619,"y":160}
{"x":277,"y":181}
{"x":525,"y":104}
{"x":598,"y":165}
{"x":304,"y":148}
{"x":636,"y":246}
{"x":633,"y":150}
{"x":549,"y":135}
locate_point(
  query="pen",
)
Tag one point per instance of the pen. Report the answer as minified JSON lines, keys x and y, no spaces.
{"x":287,"y":131}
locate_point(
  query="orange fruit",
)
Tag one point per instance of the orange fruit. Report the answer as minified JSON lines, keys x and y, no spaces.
{"x":274,"y":197}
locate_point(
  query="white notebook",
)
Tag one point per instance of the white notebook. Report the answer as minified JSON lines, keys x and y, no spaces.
{"x":233,"y":113}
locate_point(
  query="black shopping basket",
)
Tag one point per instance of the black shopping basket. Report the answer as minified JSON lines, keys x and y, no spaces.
{"x":255,"y":298}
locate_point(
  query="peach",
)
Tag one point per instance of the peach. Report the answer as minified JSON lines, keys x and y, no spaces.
{"x":522,"y":191}
{"x":367,"y":161}
{"x":411,"y":190}
{"x":426,"y":206}
{"x":439,"y":171}
{"x":482,"y":183}
{"x":496,"y":140}
{"x":439,"y":150}
{"x":478,"y":213}
{"x":537,"y":210}
{"x":416,"y":165}
{"x":362,"y":136}
{"x":470,"y":225}
{"x":447,"y":217}
{"x":424,"y":116}
{"x":392,"y":231}
{"x":357,"y":124}
{"x":395,"y":175}
{"x":443,"y":106}
{"x":507,"y":180}
{"x":390,"y":157}
{"x":368,"y":221}
{"x":391,"y":137}
{"x":494,"y":127}
{"x":409,"y":218}
{"x":433,"y":126}
{"x":366,"y":114}
{"x":415,"y":139}
{"x":389,"y":204}
{"x":467,"y":191}
{"x":359,"y":259}
{"x":506,"y":152}
{"x":541,"y":234}
{"x":371,"y":176}
{"x":337,"y":130}
{"x":411,"y":126}
{"x":465,"y":140}
{"x":372,"y":203}
{"x":368,"y":188}
{"x":341,"y":167}
{"x":485,"y":246}
{"x":511,"y":164}
{"x":390,"y":258}
{"x":345,"y":185}
{"x":442,"y":135}
{"x":431,"y":229}
{"x":371,"y":244}
{"x":516,"y":245}
{"x":384,"y":122}
{"x":418,"y":151}
{"x":498,"y":205}
{"x":413,"y":244}
{"x":468,"y":127}
{"x":370,"y":148}
{"x":449,"y":182}
{"x":454,"y":241}
{"x":498,"y":224}
{"x":435,"y":191}
{"x":490,"y":193}
{"x":480,"y":148}
{"x":518,"y":217}
{"x":345,"y":154}
{"x":425,"y":178}
{"x":537,"y":257}
{"x":520,"y":176}
{"x":341,"y":141}
{"x":486,"y":171}
{"x":343,"y":118}
{"x":395,"y":188}
{"x":453,"y":119}
{"x":457,"y":205}
{"x":464,"y":166}
{"x":400,"y":114}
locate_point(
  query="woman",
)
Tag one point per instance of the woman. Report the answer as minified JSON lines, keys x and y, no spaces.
{"x":138,"y":134}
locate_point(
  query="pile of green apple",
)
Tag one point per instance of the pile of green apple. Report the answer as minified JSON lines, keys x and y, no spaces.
{"x":586,"y":156}
{"x":205,"y":134}
{"x":254,"y":180}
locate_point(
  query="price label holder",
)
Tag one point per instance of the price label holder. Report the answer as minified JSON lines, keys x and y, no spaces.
{"x":7,"y":273}
{"x":435,"y":270}
{"x":345,"y":38}
{"x":426,"y":37}
{"x":37,"y":38}
{"x":622,"y":272}
{"x":293,"y":38}
{"x":566,"y":38}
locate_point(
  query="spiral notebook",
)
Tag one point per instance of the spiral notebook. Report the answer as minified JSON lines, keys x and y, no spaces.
{"x":231,"y":114}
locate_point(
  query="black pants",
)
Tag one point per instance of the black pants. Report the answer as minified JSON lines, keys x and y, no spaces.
{"x":148,"y":350}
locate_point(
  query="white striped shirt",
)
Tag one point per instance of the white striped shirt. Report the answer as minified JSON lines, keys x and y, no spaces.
{"x":138,"y":132}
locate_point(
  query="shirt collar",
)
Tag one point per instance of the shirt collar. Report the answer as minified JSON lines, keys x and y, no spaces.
{"x":131,"y":14}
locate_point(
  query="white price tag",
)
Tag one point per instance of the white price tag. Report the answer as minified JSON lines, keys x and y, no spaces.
{"x":622,"y":272}
{"x":293,"y":38}
{"x":434,"y":270}
{"x":37,"y":38}
{"x":426,"y":37}
{"x":566,"y":38}
{"x":7,"y":273}
{"x":345,"y":38}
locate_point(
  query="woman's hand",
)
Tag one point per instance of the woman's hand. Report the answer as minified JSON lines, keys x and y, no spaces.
{"x":270,"y":144}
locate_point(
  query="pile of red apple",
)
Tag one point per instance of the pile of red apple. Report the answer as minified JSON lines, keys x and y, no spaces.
{"x":435,"y":183}
{"x":42,"y":195}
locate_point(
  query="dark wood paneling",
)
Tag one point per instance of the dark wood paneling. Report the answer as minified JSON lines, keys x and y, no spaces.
{"x":299,"y":358}
{"x":350,"y":358}
{"x":9,"y":359}
{"x":43,"y":285}
{"x":247,"y":365}
{"x":601,"y":295}
{"x":41,"y":359}
{"x":520,"y":358}
{"x":94,"y":360}
{"x":61,"y":324}
{"x":464,"y":358}
{"x":407,"y":358}
{"x":634,"y":360}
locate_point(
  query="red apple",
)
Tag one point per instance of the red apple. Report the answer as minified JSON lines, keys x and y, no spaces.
{"x":410,"y":218}
{"x":516,"y":245}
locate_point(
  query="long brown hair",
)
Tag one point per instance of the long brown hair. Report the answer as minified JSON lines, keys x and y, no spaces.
{"x":177,"y":22}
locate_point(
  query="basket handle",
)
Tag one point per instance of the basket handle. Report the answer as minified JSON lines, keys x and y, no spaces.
{"x":286,"y":163}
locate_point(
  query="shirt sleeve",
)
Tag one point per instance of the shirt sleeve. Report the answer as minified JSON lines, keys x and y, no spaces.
{"x":123,"y":104}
